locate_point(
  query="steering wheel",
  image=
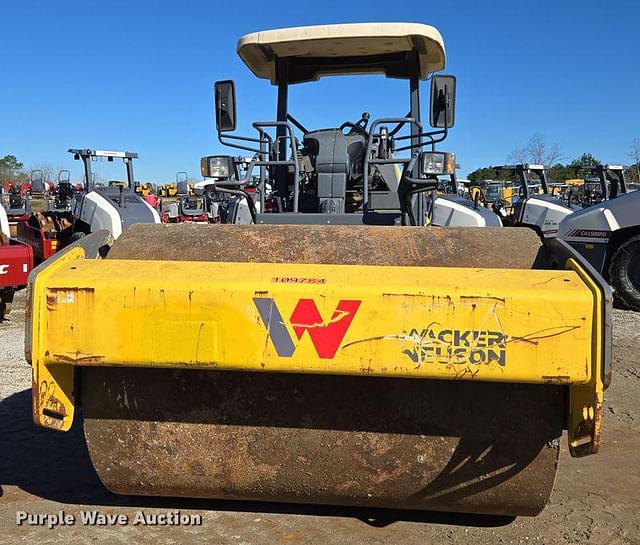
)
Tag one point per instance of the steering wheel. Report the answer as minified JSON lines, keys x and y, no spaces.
{"x":360,"y":127}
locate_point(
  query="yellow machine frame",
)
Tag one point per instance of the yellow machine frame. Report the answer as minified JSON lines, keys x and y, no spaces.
{"x":168,"y":190}
{"x":533,"y":326}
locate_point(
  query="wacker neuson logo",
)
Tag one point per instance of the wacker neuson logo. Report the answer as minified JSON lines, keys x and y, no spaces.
{"x":447,"y":346}
{"x":325,"y":336}
{"x":430,"y":344}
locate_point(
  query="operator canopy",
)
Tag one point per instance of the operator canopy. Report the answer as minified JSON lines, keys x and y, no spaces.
{"x":358,"y":48}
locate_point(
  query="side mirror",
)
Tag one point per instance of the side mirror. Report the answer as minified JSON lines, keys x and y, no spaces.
{"x":443,"y":102}
{"x":224,"y":93}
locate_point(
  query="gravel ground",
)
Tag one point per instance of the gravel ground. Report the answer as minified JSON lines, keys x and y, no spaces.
{"x":15,"y":375}
{"x":596,"y":500}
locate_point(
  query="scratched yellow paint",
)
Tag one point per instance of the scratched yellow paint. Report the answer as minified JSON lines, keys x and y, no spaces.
{"x":52,"y":385}
{"x":408,"y":322}
{"x":586,"y":400}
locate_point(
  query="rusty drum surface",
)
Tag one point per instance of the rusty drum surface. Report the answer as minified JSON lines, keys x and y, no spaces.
{"x":365,"y":441}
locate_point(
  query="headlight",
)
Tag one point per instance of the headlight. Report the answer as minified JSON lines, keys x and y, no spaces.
{"x":216,"y":166}
{"x":437,"y":162}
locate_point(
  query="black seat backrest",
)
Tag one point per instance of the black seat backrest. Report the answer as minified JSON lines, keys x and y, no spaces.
{"x":336,"y":157}
{"x":182,"y":187}
{"x":64,"y":190}
{"x":15,"y":201}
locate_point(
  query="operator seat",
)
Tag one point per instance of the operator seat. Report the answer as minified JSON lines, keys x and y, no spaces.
{"x":338,"y":158}
{"x":16,"y":202}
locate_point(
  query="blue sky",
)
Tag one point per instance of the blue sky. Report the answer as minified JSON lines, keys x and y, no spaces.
{"x":138,"y":75}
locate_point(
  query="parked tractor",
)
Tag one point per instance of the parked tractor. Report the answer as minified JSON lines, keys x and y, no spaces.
{"x":16,"y":262}
{"x":113,"y":208}
{"x":607,"y":233}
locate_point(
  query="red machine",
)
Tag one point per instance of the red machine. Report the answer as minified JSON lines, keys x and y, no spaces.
{"x":49,"y":231}
{"x":16,"y":262}
{"x":46,"y":233}
{"x":189,"y":209}
{"x":151,"y":199}
{"x":17,"y":209}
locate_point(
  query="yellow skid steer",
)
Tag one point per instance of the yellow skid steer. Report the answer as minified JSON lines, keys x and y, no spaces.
{"x":326,"y":346}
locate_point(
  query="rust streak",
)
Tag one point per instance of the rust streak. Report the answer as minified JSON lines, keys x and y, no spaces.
{"x":198,"y":341}
{"x":53,"y":423}
{"x":35,"y":399}
{"x":78,"y":358}
{"x":54,"y":405}
{"x":556,"y":379}
{"x":547,"y":280}
{"x":482,"y":298}
{"x":421,"y":295}
{"x":52,"y":300}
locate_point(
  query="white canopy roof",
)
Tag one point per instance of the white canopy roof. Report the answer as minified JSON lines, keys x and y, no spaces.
{"x":358,"y":48}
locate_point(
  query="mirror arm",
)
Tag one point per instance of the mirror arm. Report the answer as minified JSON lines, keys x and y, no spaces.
{"x":222,"y":137}
{"x":243,"y":138}
{"x":263,"y":139}
{"x":432,"y":141}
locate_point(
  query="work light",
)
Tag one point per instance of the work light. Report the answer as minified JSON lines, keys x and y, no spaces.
{"x":437,"y":162}
{"x":217,"y":166}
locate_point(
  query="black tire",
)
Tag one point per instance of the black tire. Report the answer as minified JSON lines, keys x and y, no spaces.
{"x":624,"y":273}
{"x":76,"y":236}
{"x":6,"y":298}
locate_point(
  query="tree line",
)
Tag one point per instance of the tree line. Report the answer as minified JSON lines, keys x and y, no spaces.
{"x":539,"y":152}
{"x":14,"y":171}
